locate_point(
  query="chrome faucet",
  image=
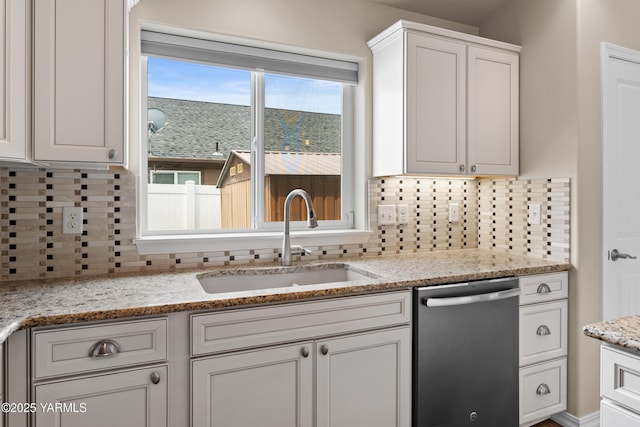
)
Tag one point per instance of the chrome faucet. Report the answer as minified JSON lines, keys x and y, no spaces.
{"x":287,"y":249}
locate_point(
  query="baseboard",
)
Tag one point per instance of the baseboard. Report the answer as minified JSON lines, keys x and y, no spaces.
{"x":565,"y":419}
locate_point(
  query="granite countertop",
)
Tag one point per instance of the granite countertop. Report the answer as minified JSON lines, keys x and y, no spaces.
{"x":623,"y":332}
{"x":49,"y":302}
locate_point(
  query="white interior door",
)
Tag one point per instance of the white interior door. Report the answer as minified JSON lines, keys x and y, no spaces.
{"x":620,"y":181}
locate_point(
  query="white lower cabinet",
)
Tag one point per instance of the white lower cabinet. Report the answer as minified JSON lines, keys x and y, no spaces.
{"x":361,"y":379}
{"x":126,"y":398}
{"x":349,"y":364}
{"x":619,"y":387}
{"x":543,"y":346}
{"x":100,"y":374}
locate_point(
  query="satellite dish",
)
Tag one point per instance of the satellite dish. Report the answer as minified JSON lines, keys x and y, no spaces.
{"x":156,"y":119}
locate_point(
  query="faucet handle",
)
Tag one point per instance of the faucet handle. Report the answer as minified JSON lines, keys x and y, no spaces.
{"x":299,"y":250}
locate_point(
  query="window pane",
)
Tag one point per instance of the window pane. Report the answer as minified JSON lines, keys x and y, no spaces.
{"x":163,"y":178}
{"x":199,"y":120}
{"x":303,"y":145}
{"x":183,"y":177}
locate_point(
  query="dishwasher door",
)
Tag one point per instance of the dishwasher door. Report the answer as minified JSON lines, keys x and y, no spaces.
{"x":465,"y":354}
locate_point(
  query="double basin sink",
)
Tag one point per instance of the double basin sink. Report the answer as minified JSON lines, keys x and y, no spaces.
{"x":257,"y":279}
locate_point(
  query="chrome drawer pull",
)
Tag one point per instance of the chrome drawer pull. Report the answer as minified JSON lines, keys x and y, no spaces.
{"x":305,"y":352}
{"x":544,"y":289}
{"x":543,"y":330}
{"x":104,"y":348}
{"x":324,"y":349}
{"x":543,"y":389}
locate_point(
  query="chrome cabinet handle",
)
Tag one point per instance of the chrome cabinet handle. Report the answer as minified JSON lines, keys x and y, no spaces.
{"x":305,"y":352}
{"x":616,"y":255}
{"x":543,"y":389}
{"x":473,"y":168}
{"x":543,"y":288}
{"x":461,"y":168}
{"x":155,"y":377}
{"x":543,"y":330}
{"x":324,"y":349}
{"x":112,"y":154}
{"x":104,"y":348}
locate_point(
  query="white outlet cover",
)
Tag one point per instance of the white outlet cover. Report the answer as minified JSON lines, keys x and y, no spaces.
{"x":72,"y":220}
{"x":454,"y":212}
{"x":534,"y":214}
{"x":386,"y":214}
{"x":403,"y":214}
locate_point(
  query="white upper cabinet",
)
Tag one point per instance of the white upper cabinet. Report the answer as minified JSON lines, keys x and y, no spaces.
{"x":444,"y":103}
{"x":79,"y":80}
{"x":15,"y":57}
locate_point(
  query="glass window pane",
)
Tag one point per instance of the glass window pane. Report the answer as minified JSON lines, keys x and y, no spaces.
{"x":163,"y":178}
{"x":303,"y":145}
{"x":188,"y":176}
{"x":199,"y":120}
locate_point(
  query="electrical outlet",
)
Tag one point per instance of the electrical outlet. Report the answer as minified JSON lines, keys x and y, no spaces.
{"x":71,"y":220}
{"x":534,"y":214}
{"x":454,"y":212}
{"x":386,"y":214}
{"x":403,"y":214}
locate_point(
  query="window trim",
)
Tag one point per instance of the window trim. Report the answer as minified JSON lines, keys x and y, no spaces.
{"x":334,"y":232}
{"x":175,"y":173}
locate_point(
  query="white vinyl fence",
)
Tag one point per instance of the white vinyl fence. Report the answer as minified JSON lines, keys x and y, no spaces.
{"x":183,"y":206}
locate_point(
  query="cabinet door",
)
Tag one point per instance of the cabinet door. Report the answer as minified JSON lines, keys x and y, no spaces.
{"x":14,"y":71}
{"x":127,"y":398}
{"x":436,"y":105}
{"x":79,"y":80}
{"x":272,"y":387}
{"x":493,"y":134}
{"x":365,"y":380}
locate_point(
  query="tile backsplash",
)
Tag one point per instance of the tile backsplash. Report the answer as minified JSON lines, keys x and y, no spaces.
{"x":493,"y":215}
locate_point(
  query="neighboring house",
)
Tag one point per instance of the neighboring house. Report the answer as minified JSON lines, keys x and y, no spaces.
{"x":209,"y":143}
{"x":318,"y":173}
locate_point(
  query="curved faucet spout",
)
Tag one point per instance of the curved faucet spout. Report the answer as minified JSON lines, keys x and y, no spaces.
{"x":312,"y":221}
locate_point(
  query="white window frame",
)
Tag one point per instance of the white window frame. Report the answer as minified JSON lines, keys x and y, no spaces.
{"x":262,"y":234}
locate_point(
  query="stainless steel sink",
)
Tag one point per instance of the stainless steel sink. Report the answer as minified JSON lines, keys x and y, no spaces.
{"x":278,"y":277}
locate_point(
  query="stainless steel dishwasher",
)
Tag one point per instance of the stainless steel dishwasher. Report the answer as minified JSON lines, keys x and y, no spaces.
{"x":465,"y":354}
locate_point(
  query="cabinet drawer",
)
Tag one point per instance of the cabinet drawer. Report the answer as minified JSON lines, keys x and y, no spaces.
{"x":543,"y":332}
{"x":612,"y":415}
{"x":236,"y":329}
{"x":68,"y":350}
{"x":543,"y":390}
{"x":620,"y":377}
{"x":544,"y":287}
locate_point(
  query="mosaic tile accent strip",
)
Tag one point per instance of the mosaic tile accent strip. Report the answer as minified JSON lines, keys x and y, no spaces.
{"x":503,"y":223}
{"x":492,"y":215}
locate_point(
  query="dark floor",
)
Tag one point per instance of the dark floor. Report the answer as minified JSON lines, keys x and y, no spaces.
{"x":547,"y":423}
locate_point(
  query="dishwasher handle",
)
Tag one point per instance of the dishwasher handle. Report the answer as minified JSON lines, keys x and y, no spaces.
{"x":471,"y":299}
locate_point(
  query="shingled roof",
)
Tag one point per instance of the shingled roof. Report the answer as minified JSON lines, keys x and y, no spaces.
{"x":193,"y":128}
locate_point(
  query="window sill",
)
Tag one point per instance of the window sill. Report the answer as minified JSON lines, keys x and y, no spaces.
{"x":209,"y":243}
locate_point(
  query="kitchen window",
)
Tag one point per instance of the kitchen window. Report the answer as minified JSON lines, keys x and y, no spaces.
{"x":253,"y":124}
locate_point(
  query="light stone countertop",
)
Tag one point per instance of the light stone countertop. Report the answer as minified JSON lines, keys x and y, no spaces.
{"x":623,"y":332}
{"x":37,"y":303}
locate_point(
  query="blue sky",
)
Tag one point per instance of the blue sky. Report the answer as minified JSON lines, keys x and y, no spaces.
{"x":198,"y":82}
